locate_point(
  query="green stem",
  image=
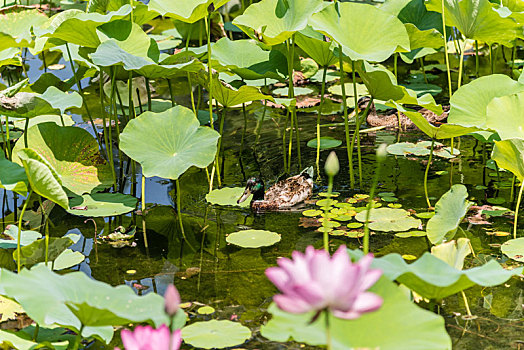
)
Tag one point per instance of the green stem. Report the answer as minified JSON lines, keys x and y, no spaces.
{"x":179,"y":210}
{"x":477,"y":63}
{"x":8,"y":141}
{"x":110,"y":127}
{"x":20,"y":221}
{"x":144,"y":210}
{"x":78,"y":338}
{"x":461,"y":64}
{"x":450,"y":90}
{"x":421,"y":60}
{"x":395,"y":65}
{"x":209,"y":69}
{"x":26,"y":127}
{"x":466,"y":304}
{"x":319,"y":113}
{"x":284,"y":140}
{"x":349,"y":147}
{"x":517,"y":210}
{"x":492,"y":59}
{"x":357,"y":124}
{"x":102,"y":106}
{"x":512,"y":193}
{"x":370,"y":204}
{"x":291,"y":93}
{"x":329,"y":345}
{"x":219,"y":147}
{"x":326,"y":211}
{"x":427,"y":172}
{"x":290,"y":147}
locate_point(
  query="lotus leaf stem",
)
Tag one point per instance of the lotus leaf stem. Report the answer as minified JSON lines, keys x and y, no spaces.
{"x":427,"y":172}
{"x":26,"y":127}
{"x":18,"y":247}
{"x":466,"y":304}
{"x":144,"y":231}
{"x":284,"y":140}
{"x":477,"y":59}
{"x":517,"y":210}
{"x":450,"y":91}
{"x":421,"y":60}
{"x":319,"y":113}
{"x":291,"y":94}
{"x":329,"y":345}
{"x":326,"y":211}
{"x":179,"y":210}
{"x":290,"y":147}
{"x":78,"y":338}
{"x":512,"y":193}
{"x":395,"y":64}
{"x":349,"y":145}
{"x":102,"y":105}
{"x":370,"y":205}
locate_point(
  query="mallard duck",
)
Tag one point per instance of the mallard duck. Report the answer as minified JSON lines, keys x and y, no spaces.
{"x":390,"y":118}
{"x":284,"y":194}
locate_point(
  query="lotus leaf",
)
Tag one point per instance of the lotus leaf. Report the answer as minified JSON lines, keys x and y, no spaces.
{"x":16,"y":23}
{"x":228,"y":196}
{"x":313,"y":44}
{"x":469,"y":103}
{"x":10,"y":57}
{"x":275,"y":21}
{"x":364,"y":31}
{"x":74,"y":299}
{"x":228,"y":97}
{"x":326,"y":142}
{"x":166,"y":144}
{"x":182,"y":10}
{"x":450,"y":210}
{"x":509,"y":155}
{"x":22,"y":341}
{"x":253,"y":238}
{"x":388,"y":219}
{"x":43,"y":177}
{"x":35,"y":252}
{"x":26,"y":105}
{"x":73,"y":154}
{"x":10,"y":237}
{"x":435,"y":279}
{"x":215,"y":334}
{"x":12,"y":176}
{"x":62,"y":100}
{"x":54,"y":118}
{"x":453,"y":252}
{"x":297,"y":91}
{"x":420,"y":149}
{"x":67,"y":259}
{"x":409,"y":327}
{"x":102,"y":205}
{"x":514,"y":248}
{"x":78,"y":27}
{"x":477,"y":20}
{"x":444,"y":131}
{"x":337,"y":89}
{"x":248,"y":60}
{"x":504,"y":115}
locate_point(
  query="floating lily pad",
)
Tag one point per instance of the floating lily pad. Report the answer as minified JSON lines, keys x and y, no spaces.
{"x":297,"y":90}
{"x":326,"y":142}
{"x":411,"y":234}
{"x":253,"y":238}
{"x":421,"y":149}
{"x":312,"y":212}
{"x":425,"y":215}
{"x":215,"y":334}
{"x":228,"y":196}
{"x":355,"y":225}
{"x":514,"y":248}
{"x":10,"y":237}
{"x":206,"y":310}
{"x":388,"y":219}
{"x":102,"y":204}
{"x":67,"y":259}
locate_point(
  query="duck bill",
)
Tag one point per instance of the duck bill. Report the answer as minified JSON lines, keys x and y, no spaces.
{"x":244,"y":196}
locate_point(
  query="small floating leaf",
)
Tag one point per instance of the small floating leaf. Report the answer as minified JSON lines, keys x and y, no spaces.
{"x":215,"y":334}
{"x":312,"y":212}
{"x":355,"y":225}
{"x":326,"y":142}
{"x":227,"y":196}
{"x":409,"y":257}
{"x":206,"y":310}
{"x":514,"y":248}
{"x":253,"y":238}
{"x":395,"y":205}
{"x":326,"y":202}
{"x":411,"y":234}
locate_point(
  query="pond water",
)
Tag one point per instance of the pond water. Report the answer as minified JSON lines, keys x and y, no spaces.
{"x":208,"y":271}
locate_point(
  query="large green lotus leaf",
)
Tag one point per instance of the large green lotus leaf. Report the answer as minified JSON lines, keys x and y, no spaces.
{"x":444,"y":131}
{"x":34,"y":253}
{"x":477,"y":20}
{"x":449,"y":213}
{"x":388,"y":219}
{"x":514,"y":248}
{"x":73,"y":153}
{"x":16,"y":23}
{"x":215,"y":334}
{"x":253,"y":238}
{"x":141,"y":13}
{"x":10,"y":56}
{"x":12,"y":176}
{"x":419,"y":39}
{"x":166,"y":144}
{"x":274,"y":21}
{"x":364,"y":31}
{"x":22,"y":341}
{"x":409,"y":327}
{"x":453,"y":253}
{"x":62,"y":100}
{"x":415,"y":12}
{"x":504,"y":115}
{"x":313,"y":44}
{"x":11,"y":237}
{"x":435,"y":279}
{"x":509,"y":155}
{"x":102,"y":204}
{"x":26,"y":105}
{"x":228,"y":196}
{"x":469,"y":103}
{"x":248,"y":60}
{"x":229,"y":97}
{"x":183,"y":10}
{"x":75,"y":299}
{"x":78,"y":27}
{"x":43,"y":177}
{"x":51,"y":118}
{"x":382,"y":85}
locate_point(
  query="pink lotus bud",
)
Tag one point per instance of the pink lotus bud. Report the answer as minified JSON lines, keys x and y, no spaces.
{"x":172,"y":300}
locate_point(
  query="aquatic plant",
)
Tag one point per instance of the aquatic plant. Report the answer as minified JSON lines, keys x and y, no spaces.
{"x":148,"y":338}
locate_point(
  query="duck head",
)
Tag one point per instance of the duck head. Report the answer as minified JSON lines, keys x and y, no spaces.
{"x":254,"y":186}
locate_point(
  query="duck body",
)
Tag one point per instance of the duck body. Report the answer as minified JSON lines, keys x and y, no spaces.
{"x":283,"y":194}
{"x":390,"y":119}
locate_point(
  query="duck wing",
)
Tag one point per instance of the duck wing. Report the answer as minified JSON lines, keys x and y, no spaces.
{"x":290,"y":191}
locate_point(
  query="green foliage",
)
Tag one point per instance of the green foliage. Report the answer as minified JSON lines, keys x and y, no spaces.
{"x":253,"y":238}
{"x":215,"y":334}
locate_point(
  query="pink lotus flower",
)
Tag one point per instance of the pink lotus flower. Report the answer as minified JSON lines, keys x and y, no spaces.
{"x":148,"y":338}
{"x":314,"y":281}
{"x":171,"y":300}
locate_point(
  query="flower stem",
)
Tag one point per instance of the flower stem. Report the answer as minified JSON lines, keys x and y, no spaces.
{"x":446,"y":47}
{"x":516,"y":210}
{"x":346,"y":122}
{"x":20,"y":221}
{"x":370,"y":205}
{"x":322,"y":90}
{"x":329,"y":346}
{"x":326,"y":210}
{"x":144,"y":210}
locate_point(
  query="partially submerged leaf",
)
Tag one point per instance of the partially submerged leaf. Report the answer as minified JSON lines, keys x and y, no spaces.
{"x":102,"y":204}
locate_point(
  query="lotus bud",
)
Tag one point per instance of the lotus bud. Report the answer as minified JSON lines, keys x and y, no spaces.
{"x":211,"y":8}
{"x":381,"y":152}
{"x":332,"y":166}
{"x":171,"y":300}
